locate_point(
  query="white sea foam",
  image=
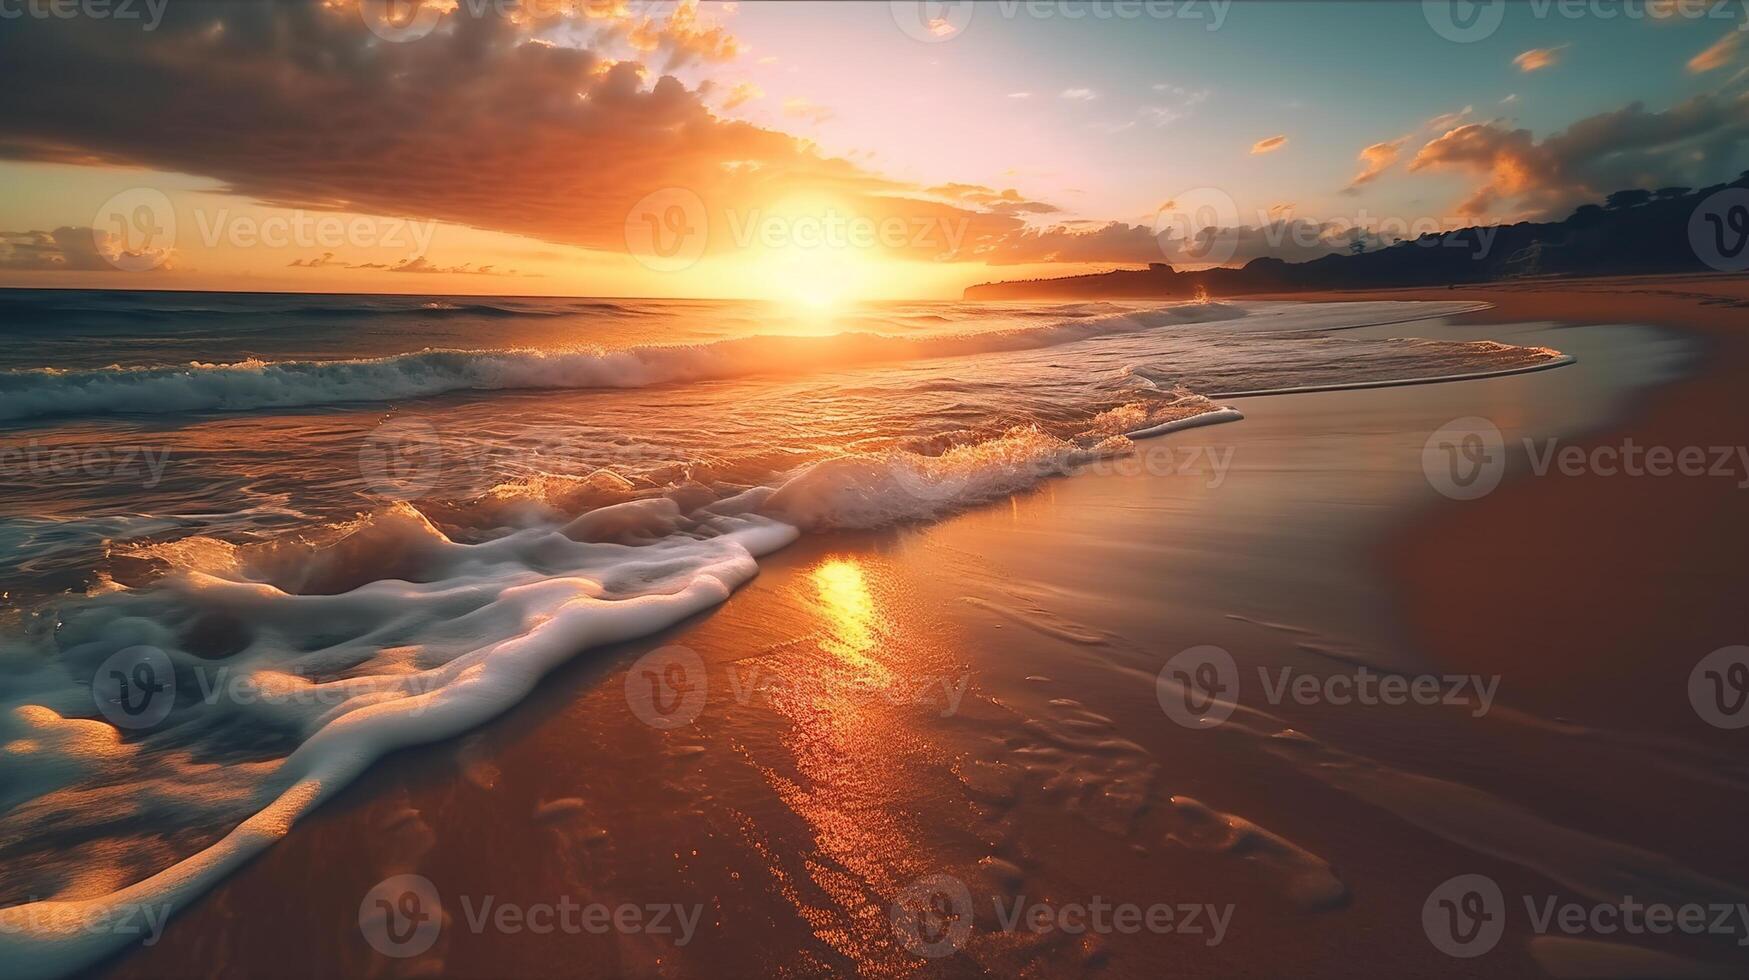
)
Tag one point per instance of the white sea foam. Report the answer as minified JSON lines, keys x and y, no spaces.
{"x":411,"y":662}
{"x":385,"y":633}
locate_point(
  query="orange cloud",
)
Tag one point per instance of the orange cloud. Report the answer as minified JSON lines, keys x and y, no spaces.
{"x":682,"y":34}
{"x":418,"y":264}
{"x":1375,"y":160}
{"x":534,"y":138}
{"x":1629,"y":147}
{"x":1007,"y":201}
{"x":1269,"y":145}
{"x":1721,"y":53}
{"x":1537,"y":59}
{"x":742,"y":94}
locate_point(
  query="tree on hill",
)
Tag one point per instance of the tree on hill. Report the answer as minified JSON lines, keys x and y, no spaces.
{"x":1672,"y":193}
{"x":1631,"y":198}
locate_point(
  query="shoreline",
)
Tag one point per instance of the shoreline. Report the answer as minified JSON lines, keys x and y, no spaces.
{"x":1561,"y":361}
{"x":800,"y":810}
{"x":1619,"y":532}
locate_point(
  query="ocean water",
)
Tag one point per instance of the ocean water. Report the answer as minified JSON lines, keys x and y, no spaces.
{"x":255,"y":542}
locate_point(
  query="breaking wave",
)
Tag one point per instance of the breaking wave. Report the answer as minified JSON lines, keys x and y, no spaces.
{"x":256,"y":384}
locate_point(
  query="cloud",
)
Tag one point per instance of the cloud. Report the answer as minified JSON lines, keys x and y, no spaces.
{"x":1020,"y":95}
{"x":1160,"y":115}
{"x":1183,"y":101}
{"x":742,"y":94}
{"x":1444,"y":122}
{"x":682,"y":35}
{"x":1375,"y":160}
{"x":485,"y":123}
{"x":1077,"y":242}
{"x":1687,"y":143}
{"x":69,"y":249}
{"x":425,"y":265}
{"x":1269,"y":145}
{"x":1721,"y":53}
{"x":1537,"y":59}
{"x":418,"y":264}
{"x":1006,"y":201}
{"x":810,"y":112}
{"x":1381,"y":156}
{"x":1286,"y":238}
{"x":1079,"y":94}
{"x":1509,"y":99}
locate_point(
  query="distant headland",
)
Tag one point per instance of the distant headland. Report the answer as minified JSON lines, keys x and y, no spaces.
{"x":1631,"y":232}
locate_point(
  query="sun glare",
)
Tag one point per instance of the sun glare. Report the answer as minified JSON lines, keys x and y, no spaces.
{"x":816,"y":277}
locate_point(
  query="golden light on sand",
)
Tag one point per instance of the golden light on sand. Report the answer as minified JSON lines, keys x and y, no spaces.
{"x":851,"y":616}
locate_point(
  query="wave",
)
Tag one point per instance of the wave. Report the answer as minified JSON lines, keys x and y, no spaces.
{"x":334,"y":646}
{"x":31,"y":311}
{"x":257,"y":384}
{"x":350,"y":642}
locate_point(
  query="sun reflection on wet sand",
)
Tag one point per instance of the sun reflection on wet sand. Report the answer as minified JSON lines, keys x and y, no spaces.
{"x":857,"y":756}
{"x":851,"y":616}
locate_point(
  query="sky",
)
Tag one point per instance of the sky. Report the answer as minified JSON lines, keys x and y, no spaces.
{"x":819,"y":152}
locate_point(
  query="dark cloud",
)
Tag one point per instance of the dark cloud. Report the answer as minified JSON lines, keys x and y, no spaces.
{"x":1692,"y":142}
{"x":487,"y":122}
{"x":1289,"y":239}
{"x":69,"y":250}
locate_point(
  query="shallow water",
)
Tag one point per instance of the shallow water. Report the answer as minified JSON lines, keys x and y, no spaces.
{"x":308,"y":531}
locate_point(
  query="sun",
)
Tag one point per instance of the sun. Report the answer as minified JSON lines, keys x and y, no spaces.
{"x":818,"y":277}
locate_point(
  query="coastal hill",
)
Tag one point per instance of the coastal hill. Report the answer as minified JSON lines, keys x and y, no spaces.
{"x":1632,"y":232}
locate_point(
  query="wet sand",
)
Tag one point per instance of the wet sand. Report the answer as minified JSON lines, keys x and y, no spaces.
{"x":979,"y":699}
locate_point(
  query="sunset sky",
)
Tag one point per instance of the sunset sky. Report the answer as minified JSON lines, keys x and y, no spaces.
{"x":818,"y":152}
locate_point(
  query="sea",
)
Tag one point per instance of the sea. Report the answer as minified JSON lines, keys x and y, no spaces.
{"x":254,"y":542}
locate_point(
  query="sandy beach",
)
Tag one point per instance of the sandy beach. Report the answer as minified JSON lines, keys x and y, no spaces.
{"x":705,"y":489}
{"x":980,"y":699}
